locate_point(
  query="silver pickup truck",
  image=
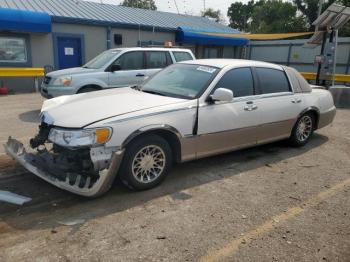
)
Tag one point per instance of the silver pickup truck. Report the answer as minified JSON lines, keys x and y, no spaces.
{"x":113,"y":68}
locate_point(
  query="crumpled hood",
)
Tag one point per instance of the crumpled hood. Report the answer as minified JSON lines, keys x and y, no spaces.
{"x":70,"y":72}
{"x":80,"y":110}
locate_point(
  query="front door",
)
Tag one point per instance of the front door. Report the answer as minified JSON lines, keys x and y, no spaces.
{"x":226,"y":126}
{"x":132,"y":70}
{"x":69,"y":52}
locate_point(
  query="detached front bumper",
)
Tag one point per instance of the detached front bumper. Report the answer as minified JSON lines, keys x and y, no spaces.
{"x":83,"y":187}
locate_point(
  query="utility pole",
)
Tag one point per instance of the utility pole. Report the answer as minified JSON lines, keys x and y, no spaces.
{"x":204,"y":5}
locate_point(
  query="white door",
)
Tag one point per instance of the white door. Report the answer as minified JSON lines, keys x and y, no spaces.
{"x":226,"y":126}
{"x":278,"y":106}
{"x":132,"y":70}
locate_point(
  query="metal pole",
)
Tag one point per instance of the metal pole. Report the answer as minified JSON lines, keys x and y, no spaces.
{"x":335,"y":55}
{"x":322,"y":51}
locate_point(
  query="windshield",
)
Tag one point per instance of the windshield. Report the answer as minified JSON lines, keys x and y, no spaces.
{"x":181,"y":80}
{"x":101,"y":60}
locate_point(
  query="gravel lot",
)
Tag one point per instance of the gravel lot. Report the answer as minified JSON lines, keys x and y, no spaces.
{"x":270,"y":203}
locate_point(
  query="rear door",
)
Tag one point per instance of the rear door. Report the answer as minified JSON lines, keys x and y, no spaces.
{"x":223,"y":126}
{"x":132,"y":72}
{"x":278,"y":105}
{"x":155,"y":61}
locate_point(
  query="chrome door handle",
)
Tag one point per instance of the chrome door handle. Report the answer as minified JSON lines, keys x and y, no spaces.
{"x":296,"y":100}
{"x":250,"y":107}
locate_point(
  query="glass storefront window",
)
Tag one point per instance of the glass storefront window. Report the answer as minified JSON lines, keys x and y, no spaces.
{"x":13,"y":50}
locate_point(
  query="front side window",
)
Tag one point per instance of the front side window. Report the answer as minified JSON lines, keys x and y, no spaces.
{"x":101,"y":60}
{"x":13,"y":50}
{"x":181,"y":80}
{"x":157,"y":59}
{"x":130,"y":61}
{"x":239,"y":80}
{"x":182,"y":56}
{"x":272,"y":80}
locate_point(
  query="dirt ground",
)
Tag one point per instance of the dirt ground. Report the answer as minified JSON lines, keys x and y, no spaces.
{"x":270,"y":203}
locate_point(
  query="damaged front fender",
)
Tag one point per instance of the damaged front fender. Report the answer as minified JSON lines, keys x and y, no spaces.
{"x":86,"y":187}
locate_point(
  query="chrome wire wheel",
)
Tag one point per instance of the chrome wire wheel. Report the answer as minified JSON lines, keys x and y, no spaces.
{"x":304,"y":128}
{"x":148,"y":164}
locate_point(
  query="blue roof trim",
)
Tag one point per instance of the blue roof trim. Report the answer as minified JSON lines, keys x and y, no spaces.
{"x":210,"y":30}
{"x":24,"y":21}
{"x":195,"y":37}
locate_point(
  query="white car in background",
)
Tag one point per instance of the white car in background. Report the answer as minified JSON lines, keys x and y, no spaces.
{"x":187,"y":111}
{"x":118,"y":67}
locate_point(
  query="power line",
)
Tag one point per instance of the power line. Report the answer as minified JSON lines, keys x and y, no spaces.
{"x":176,"y":7}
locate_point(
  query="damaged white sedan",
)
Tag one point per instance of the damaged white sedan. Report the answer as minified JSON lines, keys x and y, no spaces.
{"x":187,"y":111}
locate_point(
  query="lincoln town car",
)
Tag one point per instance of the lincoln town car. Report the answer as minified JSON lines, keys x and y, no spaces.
{"x":189,"y":110}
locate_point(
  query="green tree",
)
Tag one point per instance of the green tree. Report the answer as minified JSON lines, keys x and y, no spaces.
{"x":240,"y":15}
{"x":276,"y":16}
{"x":215,"y":14}
{"x":144,"y":4}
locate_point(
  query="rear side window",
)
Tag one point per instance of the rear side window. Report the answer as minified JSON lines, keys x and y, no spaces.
{"x":157,"y":59}
{"x":182,"y":56}
{"x":272,"y":80}
{"x":130,"y":61}
{"x":239,"y":80}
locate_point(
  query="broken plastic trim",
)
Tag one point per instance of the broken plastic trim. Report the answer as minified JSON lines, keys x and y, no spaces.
{"x":15,"y":149}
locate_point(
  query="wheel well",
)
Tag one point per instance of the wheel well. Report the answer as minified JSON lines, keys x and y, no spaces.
{"x":97,"y":87}
{"x":168,"y":136}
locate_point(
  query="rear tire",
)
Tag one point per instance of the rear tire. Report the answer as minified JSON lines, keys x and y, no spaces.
{"x":302,"y":130}
{"x":147,"y":161}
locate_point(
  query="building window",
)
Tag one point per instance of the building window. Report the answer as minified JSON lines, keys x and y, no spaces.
{"x":13,"y":51}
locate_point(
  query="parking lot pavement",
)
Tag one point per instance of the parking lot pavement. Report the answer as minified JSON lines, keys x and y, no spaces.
{"x":19,"y":115}
{"x":270,"y":203}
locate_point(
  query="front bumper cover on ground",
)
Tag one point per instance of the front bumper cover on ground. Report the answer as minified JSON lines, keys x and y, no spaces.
{"x":16,"y":150}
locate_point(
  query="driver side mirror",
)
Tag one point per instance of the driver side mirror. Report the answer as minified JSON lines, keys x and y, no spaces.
{"x":222,"y":95}
{"x":115,"y":68}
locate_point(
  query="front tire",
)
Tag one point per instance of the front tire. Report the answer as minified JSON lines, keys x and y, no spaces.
{"x":146,"y":163}
{"x":87,"y":90}
{"x":302,"y":130}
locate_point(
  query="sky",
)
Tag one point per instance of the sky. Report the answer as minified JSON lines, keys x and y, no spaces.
{"x":193,"y":7}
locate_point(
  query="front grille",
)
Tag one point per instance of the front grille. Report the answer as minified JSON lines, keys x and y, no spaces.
{"x":47,"y":80}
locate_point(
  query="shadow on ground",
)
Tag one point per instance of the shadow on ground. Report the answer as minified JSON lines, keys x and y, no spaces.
{"x":30,"y":116}
{"x":54,"y":204}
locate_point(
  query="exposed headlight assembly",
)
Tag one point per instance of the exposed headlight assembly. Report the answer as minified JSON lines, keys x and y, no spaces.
{"x":80,"y":138}
{"x":62,"y":81}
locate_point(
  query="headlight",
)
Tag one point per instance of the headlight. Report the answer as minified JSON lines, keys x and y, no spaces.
{"x":80,"y":138}
{"x":62,"y":81}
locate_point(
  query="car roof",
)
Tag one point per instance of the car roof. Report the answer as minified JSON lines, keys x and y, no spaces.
{"x":150,"y":48}
{"x":221,"y":63}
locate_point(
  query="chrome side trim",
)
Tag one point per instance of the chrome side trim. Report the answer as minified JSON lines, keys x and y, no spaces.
{"x":16,"y":150}
{"x":151,"y":114}
{"x":250,"y":98}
